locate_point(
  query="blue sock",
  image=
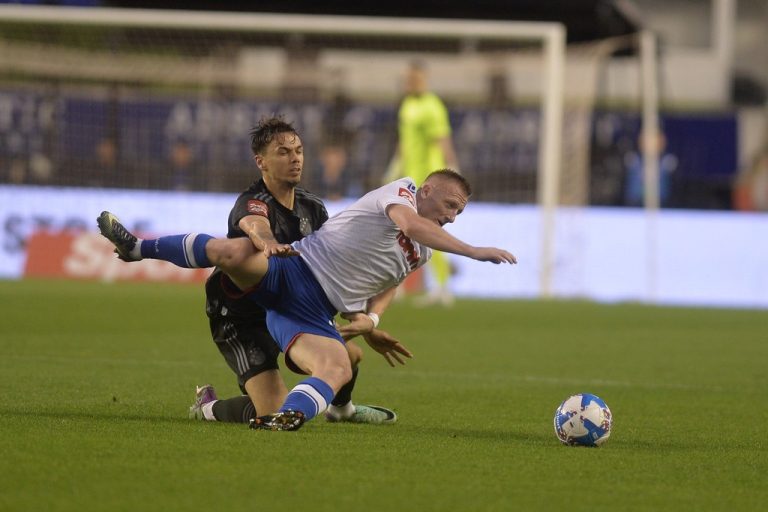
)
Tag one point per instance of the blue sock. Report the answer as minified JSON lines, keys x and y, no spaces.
{"x":187,"y":251}
{"x":310,"y":396}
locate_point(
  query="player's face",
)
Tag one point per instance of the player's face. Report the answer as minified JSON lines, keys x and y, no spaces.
{"x":415,"y":81}
{"x":283,"y":159}
{"x":441,"y":201}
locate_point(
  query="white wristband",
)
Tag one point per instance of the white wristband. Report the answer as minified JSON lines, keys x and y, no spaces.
{"x":375,"y":318}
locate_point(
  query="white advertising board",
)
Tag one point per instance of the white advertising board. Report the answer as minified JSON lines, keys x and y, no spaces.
{"x":606,"y":254}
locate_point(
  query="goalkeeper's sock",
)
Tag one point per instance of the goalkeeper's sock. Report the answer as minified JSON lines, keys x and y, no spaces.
{"x":310,"y":396}
{"x":187,"y":251}
{"x":238,"y":409}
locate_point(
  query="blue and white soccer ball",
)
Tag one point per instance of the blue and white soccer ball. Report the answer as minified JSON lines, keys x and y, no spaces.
{"x":583,"y":420}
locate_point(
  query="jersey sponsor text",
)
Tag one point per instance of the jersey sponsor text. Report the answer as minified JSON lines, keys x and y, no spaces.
{"x":411,"y":255}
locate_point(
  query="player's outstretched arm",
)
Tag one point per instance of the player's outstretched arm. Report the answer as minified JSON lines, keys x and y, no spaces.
{"x":259,"y":231}
{"x":432,"y":235}
{"x":493,"y":255}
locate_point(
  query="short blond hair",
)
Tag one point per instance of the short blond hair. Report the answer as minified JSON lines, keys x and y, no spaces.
{"x":452,"y":175}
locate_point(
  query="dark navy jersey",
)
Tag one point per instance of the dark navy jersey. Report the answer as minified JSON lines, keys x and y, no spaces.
{"x":308,"y":215}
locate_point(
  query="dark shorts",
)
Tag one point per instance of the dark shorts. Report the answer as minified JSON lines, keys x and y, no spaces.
{"x":239,"y":329}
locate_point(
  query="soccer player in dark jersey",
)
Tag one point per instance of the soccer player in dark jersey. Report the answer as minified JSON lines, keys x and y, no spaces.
{"x":350,"y":266}
{"x":279,"y":212}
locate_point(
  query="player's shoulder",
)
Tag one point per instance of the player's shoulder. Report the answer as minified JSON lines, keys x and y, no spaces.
{"x":254,"y":200}
{"x":432,"y":97}
{"x":307,"y":197}
{"x":432,"y":101}
{"x":257,"y":191}
{"x":393,"y":186}
{"x":407,"y":183}
{"x":403,"y":188}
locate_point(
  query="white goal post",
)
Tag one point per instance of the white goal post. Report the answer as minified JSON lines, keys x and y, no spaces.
{"x":549,"y":37}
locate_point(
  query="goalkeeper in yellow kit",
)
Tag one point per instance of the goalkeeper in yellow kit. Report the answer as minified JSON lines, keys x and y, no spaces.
{"x":424,"y":146}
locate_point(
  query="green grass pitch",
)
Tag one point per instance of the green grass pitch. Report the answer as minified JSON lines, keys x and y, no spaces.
{"x":96,"y":380}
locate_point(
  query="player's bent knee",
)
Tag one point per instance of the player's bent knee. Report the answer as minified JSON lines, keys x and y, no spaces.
{"x":322,"y":357}
{"x":336,"y":371}
{"x":219,"y":251}
{"x":229,"y":253}
{"x":338,"y":374}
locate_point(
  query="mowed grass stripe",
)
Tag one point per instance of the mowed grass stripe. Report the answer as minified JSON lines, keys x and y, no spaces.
{"x":97,"y":379}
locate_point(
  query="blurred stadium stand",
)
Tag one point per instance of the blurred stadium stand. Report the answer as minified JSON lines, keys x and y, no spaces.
{"x":114,"y":115}
{"x":91,"y":133}
{"x":585,"y":20}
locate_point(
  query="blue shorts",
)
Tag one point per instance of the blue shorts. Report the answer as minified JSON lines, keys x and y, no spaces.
{"x":295,"y":303}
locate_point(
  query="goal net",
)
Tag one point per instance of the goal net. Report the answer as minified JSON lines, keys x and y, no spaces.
{"x":164,"y":100}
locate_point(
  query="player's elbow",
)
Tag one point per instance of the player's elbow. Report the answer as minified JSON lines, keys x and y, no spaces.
{"x":416,"y":230}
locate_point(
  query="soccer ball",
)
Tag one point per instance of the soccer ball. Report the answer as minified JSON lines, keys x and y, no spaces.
{"x":583,"y":420}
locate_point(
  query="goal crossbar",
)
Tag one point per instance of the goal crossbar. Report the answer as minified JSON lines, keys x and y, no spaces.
{"x":264,"y":22}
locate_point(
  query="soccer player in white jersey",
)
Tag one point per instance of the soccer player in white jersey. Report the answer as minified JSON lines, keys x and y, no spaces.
{"x":352,"y":265}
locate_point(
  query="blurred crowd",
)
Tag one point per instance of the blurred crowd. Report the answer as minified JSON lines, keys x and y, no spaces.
{"x":349,"y":147}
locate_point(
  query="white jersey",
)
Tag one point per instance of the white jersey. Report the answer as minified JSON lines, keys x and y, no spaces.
{"x":360,"y":252}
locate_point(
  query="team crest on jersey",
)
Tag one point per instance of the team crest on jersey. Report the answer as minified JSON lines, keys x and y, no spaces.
{"x":304,"y":226}
{"x":257,"y":207}
{"x":408,"y":194}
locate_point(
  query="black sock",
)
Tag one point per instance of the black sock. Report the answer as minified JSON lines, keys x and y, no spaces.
{"x":344,"y":395}
{"x":239,"y":409}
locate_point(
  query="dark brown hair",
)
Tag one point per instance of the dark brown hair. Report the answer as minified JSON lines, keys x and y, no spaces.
{"x":266,"y":130}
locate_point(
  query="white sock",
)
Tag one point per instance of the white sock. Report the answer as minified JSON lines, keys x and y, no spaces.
{"x":136,"y":251}
{"x":207,"y":409}
{"x":341,"y":412}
